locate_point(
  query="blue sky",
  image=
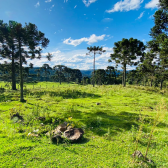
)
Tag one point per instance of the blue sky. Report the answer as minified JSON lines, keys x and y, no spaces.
{"x":73,"y":25}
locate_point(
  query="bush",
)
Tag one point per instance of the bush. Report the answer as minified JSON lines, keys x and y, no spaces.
{"x":130,"y":82}
{"x":2,"y":90}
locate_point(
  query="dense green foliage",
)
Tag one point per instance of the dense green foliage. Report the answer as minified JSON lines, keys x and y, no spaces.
{"x":14,"y":38}
{"x":125,"y":52}
{"x":159,"y":42}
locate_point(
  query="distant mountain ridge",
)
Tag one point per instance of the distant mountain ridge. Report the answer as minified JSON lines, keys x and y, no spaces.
{"x":85,"y":73}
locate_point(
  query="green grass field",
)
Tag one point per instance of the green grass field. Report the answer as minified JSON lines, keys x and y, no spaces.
{"x":121,"y":124}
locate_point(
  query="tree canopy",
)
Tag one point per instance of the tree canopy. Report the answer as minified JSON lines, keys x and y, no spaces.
{"x":126,"y":52}
{"x":22,"y":41}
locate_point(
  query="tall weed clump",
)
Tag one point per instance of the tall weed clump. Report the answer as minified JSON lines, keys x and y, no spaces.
{"x":161,"y":110}
{"x":159,"y":117}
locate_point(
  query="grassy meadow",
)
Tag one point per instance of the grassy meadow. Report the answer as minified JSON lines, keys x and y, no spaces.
{"x":127,"y":119}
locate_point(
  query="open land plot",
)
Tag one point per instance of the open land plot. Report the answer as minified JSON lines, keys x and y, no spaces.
{"x":116,"y":121}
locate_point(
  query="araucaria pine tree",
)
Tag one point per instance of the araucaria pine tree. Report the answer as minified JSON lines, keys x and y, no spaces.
{"x":126,"y":53}
{"x":95,"y":50}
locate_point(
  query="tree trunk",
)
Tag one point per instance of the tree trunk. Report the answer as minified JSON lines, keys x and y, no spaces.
{"x":144,"y":81}
{"x":124,"y":80}
{"x":115,"y":76}
{"x":110,"y":80}
{"x":21,"y":76}
{"x":68,"y":78}
{"x":94,"y":71}
{"x":60,"y":78}
{"x":46,"y":76}
{"x":151,"y":83}
{"x":13,"y":73}
{"x":161,"y":84}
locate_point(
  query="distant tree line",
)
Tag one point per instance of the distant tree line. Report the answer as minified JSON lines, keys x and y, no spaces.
{"x":58,"y":73}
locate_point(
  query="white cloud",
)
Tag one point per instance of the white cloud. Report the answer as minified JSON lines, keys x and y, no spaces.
{"x":92,"y":39}
{"x":25,"y":48}
{"x":75,"y":6}
{"x":88,"y":2}
{"x":37,"y":4}
{"x":4,"y":60}
{"x":109,"y":37}
{"x":107,"y":19}
{"x":106,"y":28}
{"x":125,"y":5}
{"x":108,"y":49}
{"x":76,"y":59}
{"x":104,"y":56}
{"x":74,"y":42}
{"x":151,"y":17}
{"x":38,"y":47}
{"x":140,"y":16}
{"x":51,"y":8}
{"x":152,"y":4}
{"x":73,"y":59}
{"x":37,"y":62}
{"x":80,"y":56}
{"x":48,"y":1}
{"x":144,"y":40}
{"x":65,"y":1}
{"x":129,"y":68}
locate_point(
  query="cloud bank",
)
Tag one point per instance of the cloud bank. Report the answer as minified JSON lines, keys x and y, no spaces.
{"x":152,"y":4}
{"x":141,"y":15}
{"x":125,"y":5}
{"x":37,"y":4}
{"x":88,"y":2}
{"x":92,"y":39}
{"x":48,"y":1}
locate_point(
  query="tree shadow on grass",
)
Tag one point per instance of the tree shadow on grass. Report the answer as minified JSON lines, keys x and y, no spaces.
{"x":162,"y":125}
{"x":100,"y":121}
{"x":74,"y":114}
{"x":83,"y":141}
{"x":31,"y":83}
{"x":67,"y":94}
{"x":116,"y":122}
{"x":4,"y":97}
